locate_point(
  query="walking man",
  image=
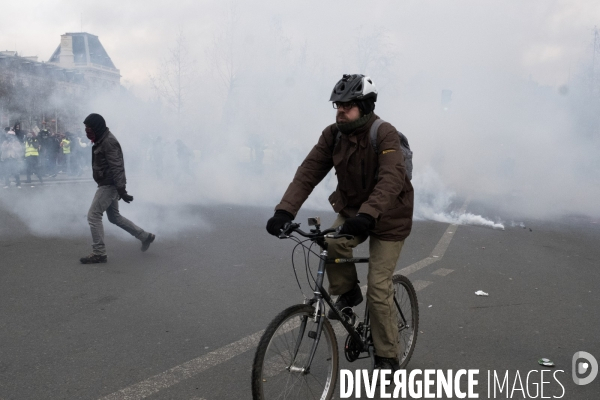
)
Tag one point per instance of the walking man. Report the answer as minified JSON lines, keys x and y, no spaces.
{"x":109,"y":173}
{"x":374,"y":198}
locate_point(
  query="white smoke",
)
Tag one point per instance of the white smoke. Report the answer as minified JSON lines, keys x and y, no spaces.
{"x":520,"y":134}
{"x":434,"y":201}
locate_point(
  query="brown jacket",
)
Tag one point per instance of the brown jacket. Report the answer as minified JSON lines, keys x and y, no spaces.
{"x":388,"y":199}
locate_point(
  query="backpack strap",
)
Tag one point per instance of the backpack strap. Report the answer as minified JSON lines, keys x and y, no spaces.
{"x":336,"y":140}
{"x":373,"y":134}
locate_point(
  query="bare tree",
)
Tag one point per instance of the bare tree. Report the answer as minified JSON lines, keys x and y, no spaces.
{"x":375,"y":54}
{"x":223,"y":53}
{"x":175,"y":76}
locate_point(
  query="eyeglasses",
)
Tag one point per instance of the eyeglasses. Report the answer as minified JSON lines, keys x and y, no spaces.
{"x":344,"y":106}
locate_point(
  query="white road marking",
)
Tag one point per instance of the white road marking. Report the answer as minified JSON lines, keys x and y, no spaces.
{"x":417,"y":266}
{"x":440,"y":248}
{"x":442,"y":271}
{"x":186,"y":370}
{"x":420,"y":285}
{"x":193,"y":367}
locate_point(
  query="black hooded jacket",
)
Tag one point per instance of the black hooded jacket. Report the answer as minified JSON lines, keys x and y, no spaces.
{"x":107,"y":161}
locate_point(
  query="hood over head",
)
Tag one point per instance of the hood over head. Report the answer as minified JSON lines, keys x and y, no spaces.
{"x":97,"y":123}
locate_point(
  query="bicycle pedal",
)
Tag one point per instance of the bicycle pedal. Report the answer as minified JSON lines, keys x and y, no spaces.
{"x":350,"y":318}
{"x":312,"y":334}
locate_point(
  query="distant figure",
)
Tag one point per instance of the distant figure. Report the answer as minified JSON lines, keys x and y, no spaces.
{"x":79,"y":155}
{"x":32,"y":156}
{"x":20,"y":134}
{"x":12,"y":153}
{"x":109,"y":172}
{"x":53,"y":154}
{"x":44,"y":141}
{"x":65,"y":144}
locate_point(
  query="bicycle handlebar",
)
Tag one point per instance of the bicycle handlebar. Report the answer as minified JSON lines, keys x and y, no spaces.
{"x":289,"y":228}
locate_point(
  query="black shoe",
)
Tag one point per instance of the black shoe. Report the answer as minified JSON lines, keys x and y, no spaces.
{"x":346,"y":301}
{"x":146,"y":243}
{"x":387,"y":363}
{"x":93,"y":259}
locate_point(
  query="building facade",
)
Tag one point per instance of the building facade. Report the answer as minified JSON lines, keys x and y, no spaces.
{"x":34,"y":92}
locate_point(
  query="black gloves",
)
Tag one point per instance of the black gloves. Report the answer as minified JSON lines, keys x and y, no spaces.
{"x":124,"y":196}
{"x":358,"y":226}
{"x":277,"y":221}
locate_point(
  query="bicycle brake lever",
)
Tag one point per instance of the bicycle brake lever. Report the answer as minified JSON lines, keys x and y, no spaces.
{"x":287,"y":227}
{"x":283,"y":234}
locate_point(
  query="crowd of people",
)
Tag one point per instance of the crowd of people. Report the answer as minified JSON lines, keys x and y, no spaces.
{"x":40,"y":152}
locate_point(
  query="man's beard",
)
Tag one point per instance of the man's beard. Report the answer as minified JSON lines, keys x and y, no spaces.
{"x":341,"y":119}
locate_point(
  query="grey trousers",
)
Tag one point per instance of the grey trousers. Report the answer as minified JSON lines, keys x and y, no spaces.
{"x":107,"y":199}
{"x":383,"y":257}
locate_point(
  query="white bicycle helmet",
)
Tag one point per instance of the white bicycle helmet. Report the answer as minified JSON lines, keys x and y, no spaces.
{"x":358,"y":88}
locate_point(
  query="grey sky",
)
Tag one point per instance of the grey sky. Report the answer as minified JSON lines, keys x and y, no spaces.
{"x":538,"y":38}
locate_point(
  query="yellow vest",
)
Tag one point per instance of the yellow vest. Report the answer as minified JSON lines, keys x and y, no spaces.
{"x":30,"y":150}
{"x":66,"y":146}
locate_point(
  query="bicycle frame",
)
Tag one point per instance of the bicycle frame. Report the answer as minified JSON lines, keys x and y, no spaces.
{"x":321,"y":297}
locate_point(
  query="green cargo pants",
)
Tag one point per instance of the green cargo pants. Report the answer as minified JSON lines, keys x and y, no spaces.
{"x":383,"y":257}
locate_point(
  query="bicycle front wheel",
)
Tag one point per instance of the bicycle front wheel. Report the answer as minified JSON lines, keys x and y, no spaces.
{"x":405,"y":298}
{"x":281,"y":368}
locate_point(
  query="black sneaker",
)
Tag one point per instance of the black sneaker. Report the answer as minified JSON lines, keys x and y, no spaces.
{"x":146,"y":243}
{"x":346,"y":301}
{"x":93,"y":259}
{"x":387,"y":363}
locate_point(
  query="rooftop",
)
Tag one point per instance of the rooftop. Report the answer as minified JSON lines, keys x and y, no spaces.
{"x":87,"y":49}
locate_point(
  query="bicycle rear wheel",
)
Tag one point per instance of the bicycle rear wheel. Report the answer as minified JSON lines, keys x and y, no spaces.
{"x":405,"y":298}
{"x":278,"y":371}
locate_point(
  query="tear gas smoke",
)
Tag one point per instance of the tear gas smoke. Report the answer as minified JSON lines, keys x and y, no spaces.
{"x":520,"y":131}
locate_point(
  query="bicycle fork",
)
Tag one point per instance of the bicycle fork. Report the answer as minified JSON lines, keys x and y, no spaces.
{"x":321,"y":297}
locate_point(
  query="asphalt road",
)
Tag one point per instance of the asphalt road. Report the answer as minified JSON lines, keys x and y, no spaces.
{"x":180,"y":321}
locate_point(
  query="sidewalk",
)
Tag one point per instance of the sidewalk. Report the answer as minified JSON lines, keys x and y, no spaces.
{"x":59,"y":179}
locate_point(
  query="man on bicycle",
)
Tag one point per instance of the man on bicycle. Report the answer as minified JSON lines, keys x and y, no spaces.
{"x":374,"y":198}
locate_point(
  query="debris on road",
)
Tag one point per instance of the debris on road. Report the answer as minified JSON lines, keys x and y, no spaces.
{"x":545,"y":362}
{"x":481,"y":293}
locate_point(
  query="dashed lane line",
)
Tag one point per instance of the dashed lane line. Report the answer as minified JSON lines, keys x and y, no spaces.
{"x":186,"y":370}
{"x":193,"y":367}
{"x":442,"y":272}
{"x":420,"y":285}
{"x":439,"y":250}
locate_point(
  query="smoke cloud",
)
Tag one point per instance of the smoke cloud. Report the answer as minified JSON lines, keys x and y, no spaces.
{"x":519,"y":131}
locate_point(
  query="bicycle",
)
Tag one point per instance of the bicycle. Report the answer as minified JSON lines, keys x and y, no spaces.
{"x":293,"y":361}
